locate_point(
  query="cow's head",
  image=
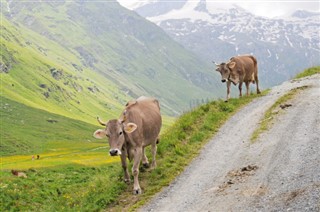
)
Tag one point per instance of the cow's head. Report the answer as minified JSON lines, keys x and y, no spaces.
{"x":227,"y":72}
{"x":115,"y":132}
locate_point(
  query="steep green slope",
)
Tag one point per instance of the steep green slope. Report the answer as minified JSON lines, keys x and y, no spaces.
{"x":117,"y":44}
{"x":50,"y":79}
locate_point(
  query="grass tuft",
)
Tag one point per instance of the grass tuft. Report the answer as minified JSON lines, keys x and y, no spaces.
{"x":308,"y":72}
{"x":273,"y":111}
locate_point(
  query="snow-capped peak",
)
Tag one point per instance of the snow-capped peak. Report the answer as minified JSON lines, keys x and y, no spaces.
{"x":193,"y":10}
{"x":304,"y":14}
{"x":132,"y":5}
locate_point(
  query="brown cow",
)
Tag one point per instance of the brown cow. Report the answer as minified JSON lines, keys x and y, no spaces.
{"x":138,"y":127}
{"x":238,"y":70}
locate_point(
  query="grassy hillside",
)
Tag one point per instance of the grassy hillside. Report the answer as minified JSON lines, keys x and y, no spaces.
{"x":29,"y":131}
{"x":105,"y":47}
{"x":26,"y":130}
{"x":51,"y":81}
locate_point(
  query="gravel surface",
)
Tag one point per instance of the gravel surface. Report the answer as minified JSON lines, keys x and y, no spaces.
{"x":279,"y":172}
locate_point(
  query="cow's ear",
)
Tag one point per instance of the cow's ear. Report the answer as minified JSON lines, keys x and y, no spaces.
{"x":130,"y":127}
{"x":231,"y":65}
{"x":100,"y":134}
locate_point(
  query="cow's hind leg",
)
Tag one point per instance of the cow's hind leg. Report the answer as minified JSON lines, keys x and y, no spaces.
{"x":135,"y":170}
{"x":257,"y":84}
{"x":145,"y":161}
{"x":154,"y":152}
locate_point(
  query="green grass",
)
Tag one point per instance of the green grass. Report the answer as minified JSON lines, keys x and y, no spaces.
{"x":61,"y":155}
{"x":78,"y":175}
{"x":308,"y":72}
{"x":62,"y":188}
{"x":273,"y":112}
{"x":26,"y":130}
{"x":74,"y":172}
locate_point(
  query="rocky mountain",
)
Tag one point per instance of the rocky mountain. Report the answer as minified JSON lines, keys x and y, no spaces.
{"x":78,"y":58}
{"x":217,"y":31}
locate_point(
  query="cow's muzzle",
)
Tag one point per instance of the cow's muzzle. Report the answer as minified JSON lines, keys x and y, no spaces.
{"x":115,"y":152}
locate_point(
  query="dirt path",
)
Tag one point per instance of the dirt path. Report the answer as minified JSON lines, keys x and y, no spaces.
{"x":279,"y":172}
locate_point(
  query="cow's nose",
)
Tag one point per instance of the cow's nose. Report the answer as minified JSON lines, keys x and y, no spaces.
{"x":113,"y":152}
{"x":223,"y":80}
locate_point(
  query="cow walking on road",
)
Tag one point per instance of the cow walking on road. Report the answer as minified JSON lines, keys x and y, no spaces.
{"x":238,"y":70}
{"x":138,"y":126}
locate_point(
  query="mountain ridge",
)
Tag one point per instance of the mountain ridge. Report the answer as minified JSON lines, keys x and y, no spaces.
{"x":283,"y":46}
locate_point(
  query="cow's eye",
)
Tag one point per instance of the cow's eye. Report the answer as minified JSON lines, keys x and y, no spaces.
{"x":120,"y":133}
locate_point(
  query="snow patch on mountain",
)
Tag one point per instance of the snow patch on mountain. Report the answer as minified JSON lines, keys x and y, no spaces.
{"x":188,"y":11}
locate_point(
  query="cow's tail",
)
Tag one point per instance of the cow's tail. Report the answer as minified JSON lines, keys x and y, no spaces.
{"x":255,"y":69}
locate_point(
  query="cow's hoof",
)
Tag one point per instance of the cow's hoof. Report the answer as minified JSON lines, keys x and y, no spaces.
{"x":153,"y":165}
{"x":127,"y":181}
{"x":146,"y":165}
{"x":225,"y":100}
{"x":137,"y":191}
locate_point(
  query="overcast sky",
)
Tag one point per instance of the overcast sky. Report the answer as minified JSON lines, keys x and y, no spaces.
{"x":278,"y":8}
{"x":268,"y":8}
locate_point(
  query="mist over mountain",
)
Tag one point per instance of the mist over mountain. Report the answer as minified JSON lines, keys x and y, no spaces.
{"x":217,"y":31}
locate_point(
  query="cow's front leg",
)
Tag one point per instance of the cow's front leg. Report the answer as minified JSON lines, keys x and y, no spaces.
{"x":145,"y":161}
{"x":228,"y":90}
{"x":135,"y":170}
{"x":123,"y":157}
{"x":240,"y":89}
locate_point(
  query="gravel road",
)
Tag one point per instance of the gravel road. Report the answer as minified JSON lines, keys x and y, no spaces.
{"x":279,"y":172}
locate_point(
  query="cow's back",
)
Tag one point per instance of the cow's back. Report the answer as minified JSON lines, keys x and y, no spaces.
{"x":145,"y":113}
{"x":246,"y":65}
